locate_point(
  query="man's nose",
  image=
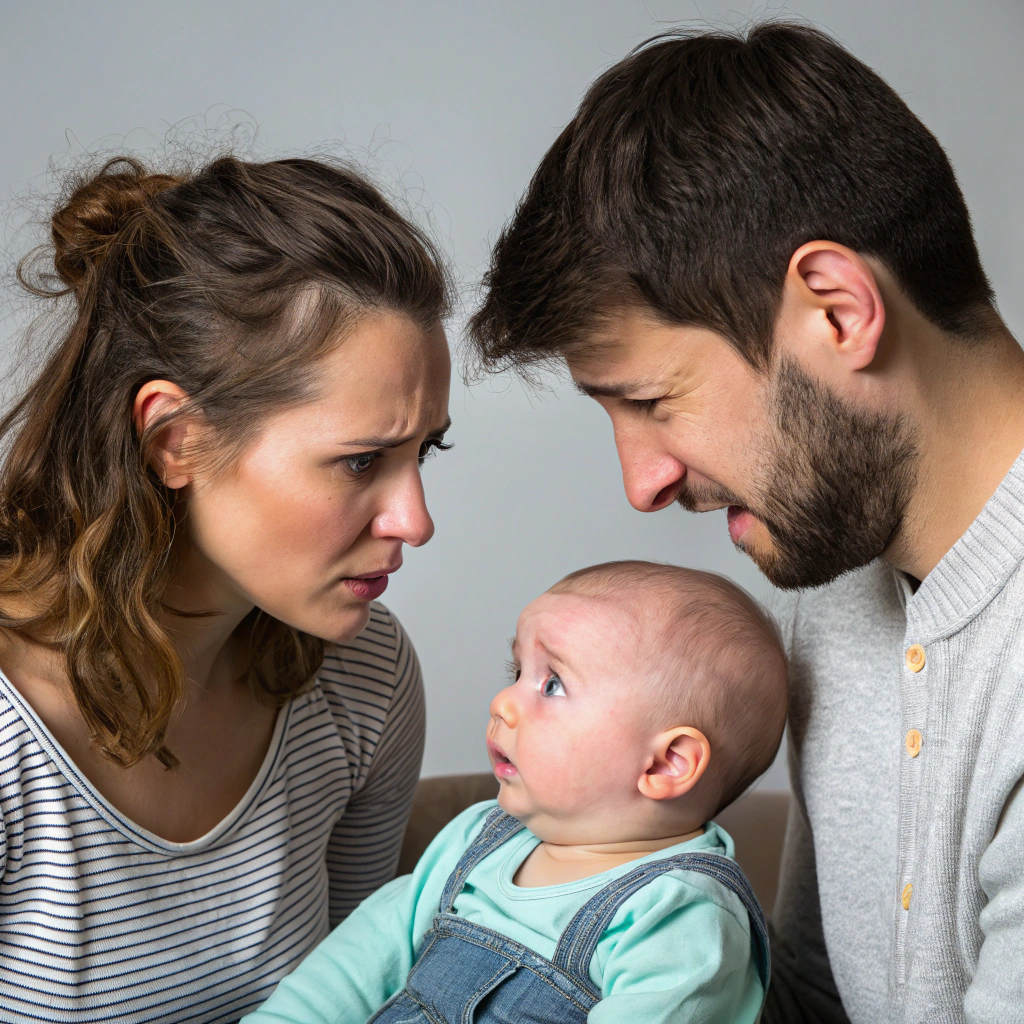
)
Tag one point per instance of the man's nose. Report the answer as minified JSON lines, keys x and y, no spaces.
{"x":651,"y":476}
{"x":504,"y":706}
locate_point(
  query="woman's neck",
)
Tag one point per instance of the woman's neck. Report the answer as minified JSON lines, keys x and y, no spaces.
{"x":201,"y":612}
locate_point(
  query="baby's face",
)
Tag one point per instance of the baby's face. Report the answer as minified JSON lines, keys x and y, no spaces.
{"x":570,"y":738}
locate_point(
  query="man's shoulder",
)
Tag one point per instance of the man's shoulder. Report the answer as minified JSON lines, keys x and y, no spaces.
{"x":864,"y":600}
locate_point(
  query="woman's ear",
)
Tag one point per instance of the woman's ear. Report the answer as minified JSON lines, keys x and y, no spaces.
{"x":156,"y":399}
{"x":680,"y":758}
{"x":832,"y":307}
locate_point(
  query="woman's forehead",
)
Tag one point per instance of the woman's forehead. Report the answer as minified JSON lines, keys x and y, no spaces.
{"x":388,"y":376}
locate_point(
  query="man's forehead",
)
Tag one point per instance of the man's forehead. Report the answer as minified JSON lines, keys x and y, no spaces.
{"x":636,"y":356}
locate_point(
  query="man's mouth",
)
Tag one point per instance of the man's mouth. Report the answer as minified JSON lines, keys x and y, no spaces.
{"x":740,"y":521}
{"x":503,"y":767}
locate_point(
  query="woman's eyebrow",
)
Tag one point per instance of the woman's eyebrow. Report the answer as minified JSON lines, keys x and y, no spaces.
{"x":394,"y":441}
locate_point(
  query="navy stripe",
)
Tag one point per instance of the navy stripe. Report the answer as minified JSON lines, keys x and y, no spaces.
{"x":101,"y":922}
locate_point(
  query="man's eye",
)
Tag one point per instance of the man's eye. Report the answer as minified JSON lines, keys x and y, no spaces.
{"x":357,"y":465}
{"x":642,"y":404}
{"x":431,"y":445}
{"x":553,"y":687}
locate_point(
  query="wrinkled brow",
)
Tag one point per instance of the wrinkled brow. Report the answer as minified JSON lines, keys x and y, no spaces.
{"x":623,"y":390}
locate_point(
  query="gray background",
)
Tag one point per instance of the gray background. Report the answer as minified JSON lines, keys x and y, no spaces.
{"x":453,"y":104}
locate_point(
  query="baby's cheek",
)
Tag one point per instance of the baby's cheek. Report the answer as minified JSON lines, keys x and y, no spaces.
{"x":571,"y":767}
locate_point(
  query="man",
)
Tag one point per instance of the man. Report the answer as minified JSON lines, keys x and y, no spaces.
{"x":759,"y":262}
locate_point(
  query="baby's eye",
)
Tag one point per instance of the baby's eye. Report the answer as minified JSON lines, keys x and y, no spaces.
{"x":553,"y":687}
{"x":513,"y":671}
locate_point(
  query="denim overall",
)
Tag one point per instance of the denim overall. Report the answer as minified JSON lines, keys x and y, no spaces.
{"x":468,"y":974}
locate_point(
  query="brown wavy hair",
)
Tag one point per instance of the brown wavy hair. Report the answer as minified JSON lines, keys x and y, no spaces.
{"x":231,"y":282}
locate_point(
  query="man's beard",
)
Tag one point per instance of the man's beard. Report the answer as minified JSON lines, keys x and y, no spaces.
{"x":838,"y":481}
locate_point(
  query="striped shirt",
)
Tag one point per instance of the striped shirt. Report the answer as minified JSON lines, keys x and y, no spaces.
{"x":101,"y":920}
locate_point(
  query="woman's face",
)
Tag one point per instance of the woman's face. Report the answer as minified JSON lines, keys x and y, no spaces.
{"x":309,"y":523}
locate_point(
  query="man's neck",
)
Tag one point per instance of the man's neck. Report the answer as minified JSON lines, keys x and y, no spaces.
{"x":970,"y":431}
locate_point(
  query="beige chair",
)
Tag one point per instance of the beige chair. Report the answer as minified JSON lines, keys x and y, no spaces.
{"x":756,"y":822}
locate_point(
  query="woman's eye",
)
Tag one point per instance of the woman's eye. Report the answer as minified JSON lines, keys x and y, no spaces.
{"x":553,"y":687}
{"x":357,"y":465}
{"x":431,"y":445}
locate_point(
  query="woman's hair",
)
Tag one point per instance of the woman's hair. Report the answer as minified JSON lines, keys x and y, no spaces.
{"x":230,"y":282}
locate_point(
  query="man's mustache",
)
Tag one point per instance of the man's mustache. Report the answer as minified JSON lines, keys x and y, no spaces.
{"x":705,"y":497}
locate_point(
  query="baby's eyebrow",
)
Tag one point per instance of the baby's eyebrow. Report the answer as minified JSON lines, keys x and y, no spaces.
{"x":512,"y":645}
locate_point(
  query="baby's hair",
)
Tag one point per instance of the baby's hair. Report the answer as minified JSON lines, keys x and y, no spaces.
{"x":714,"y":661}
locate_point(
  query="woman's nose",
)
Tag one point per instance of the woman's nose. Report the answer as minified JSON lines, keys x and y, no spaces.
{"x":405,"y":514}
{"x":504,"y":707}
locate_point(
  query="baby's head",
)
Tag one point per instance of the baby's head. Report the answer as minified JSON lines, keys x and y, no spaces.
{"x":646,"y":698}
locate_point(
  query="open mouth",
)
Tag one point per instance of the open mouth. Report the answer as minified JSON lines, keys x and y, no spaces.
{"x":740,"y":521}
{"x":503,"y":767}
{"x":367,"y":588}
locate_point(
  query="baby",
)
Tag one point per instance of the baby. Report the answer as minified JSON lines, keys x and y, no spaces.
{"x":646,"y":698}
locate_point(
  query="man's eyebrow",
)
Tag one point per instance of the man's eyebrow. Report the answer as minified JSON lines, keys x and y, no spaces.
{"x":623,"y":390}
{"x":391,"y":441}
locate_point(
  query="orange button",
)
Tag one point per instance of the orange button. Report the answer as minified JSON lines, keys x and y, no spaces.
{"x":913,"y":742}
{"x":915,"y":658}
{"x":908,"y":891}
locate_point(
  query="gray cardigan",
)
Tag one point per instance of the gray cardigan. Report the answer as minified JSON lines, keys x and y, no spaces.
{"x":884,"y":817}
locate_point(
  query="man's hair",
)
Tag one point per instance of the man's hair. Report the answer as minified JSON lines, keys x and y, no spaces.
{"x":695,"y":168}
{"x":714,"y":660}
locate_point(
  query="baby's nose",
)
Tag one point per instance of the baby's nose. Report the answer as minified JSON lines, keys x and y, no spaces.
{"x":504,"y":707}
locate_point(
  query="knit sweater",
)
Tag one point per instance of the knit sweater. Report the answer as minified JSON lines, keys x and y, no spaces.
{"x":902,"y":889}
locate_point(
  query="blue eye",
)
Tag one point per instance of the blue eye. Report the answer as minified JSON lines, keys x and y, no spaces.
{"x":357,"y":465}
{"x":553,"y":687}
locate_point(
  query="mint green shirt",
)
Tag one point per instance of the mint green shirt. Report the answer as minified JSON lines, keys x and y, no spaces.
{"x":677,"y":950}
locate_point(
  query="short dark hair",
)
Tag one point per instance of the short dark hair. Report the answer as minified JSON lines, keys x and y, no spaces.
{"x":693,"y":170}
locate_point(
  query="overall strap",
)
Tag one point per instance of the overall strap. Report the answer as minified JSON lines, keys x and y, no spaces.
{"x":498,"y":827}
{"x":579,"y":940}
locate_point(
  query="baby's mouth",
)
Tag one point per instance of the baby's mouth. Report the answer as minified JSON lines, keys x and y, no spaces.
{"x":503,"y":767}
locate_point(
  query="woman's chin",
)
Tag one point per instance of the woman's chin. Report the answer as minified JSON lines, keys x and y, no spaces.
{"x":337,"y":626}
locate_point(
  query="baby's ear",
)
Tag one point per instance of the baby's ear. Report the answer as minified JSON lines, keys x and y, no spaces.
{"x":680,"y":758}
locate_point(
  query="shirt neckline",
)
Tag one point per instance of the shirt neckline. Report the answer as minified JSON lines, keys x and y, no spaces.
{"x":520,"y":846}
{"x":123,"y":824}
{"x":976,"y":567}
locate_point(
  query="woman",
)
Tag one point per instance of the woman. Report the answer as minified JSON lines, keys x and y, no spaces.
{"x":209,"y":733}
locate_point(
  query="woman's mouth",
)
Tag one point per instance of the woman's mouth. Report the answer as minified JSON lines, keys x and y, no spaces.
{"x":369,"y":586}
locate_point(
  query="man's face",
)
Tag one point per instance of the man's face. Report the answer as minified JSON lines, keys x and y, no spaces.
{"x":813,"y":487}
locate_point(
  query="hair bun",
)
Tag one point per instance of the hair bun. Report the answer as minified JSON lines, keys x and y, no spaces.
{"x":85,"y":227}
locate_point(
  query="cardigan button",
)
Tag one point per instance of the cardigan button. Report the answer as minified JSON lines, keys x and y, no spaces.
{"x":913,"y":743}
{"x":915,"y":658}
{"x":908,"y":891}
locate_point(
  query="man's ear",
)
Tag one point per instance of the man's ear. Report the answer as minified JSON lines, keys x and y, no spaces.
{"x":156,"y":399}
{"x":831,"y":308}
{"x":680,"y":758}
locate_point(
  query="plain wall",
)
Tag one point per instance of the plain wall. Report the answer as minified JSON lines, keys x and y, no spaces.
{"x":461,"y":100}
